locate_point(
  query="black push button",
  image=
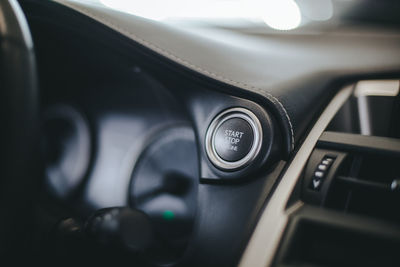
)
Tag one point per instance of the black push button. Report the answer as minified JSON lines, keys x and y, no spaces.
{"x":233,"y":139}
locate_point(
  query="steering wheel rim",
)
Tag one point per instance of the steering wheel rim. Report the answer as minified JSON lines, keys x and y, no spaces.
{"x":19,"y":142}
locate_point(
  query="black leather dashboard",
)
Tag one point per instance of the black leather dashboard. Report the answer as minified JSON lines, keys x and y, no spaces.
{"x":291,"y":72}
{"x":138,"y":81}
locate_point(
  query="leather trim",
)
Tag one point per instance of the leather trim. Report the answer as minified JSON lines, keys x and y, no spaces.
{"x":121,"y":29}
{"x":292,"y":74}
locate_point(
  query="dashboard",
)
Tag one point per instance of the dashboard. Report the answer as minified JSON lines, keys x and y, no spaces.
{"x":234,"y":148}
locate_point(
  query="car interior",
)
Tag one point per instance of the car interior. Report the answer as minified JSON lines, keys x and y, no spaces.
{"x":200,"y":133}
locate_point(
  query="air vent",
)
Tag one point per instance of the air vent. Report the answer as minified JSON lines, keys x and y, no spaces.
{"x":364,"y":177}
{"x":372,"y":188}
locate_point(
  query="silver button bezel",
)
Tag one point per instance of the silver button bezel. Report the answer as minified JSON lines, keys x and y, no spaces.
{"x":255,"y":125}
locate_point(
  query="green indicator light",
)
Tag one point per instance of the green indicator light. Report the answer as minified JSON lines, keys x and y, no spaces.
{"x":168,"y":215}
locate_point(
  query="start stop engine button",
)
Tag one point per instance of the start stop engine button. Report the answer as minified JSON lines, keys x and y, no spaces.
{"x":233,"y":139}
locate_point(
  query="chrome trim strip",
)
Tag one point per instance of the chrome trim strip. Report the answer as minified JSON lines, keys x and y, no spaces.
{"x":364,"y":115}
{"x":265,"y":239}
{"x":377,"y":88}
{"x":367,"y":88}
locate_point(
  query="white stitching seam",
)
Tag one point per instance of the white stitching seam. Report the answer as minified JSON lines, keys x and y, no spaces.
{"x":178,"y":59}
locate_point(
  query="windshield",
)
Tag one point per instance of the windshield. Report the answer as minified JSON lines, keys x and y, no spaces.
{"x":272,"y":14}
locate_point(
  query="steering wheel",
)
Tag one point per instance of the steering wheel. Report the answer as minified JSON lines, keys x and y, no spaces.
{"x":19,"y":127}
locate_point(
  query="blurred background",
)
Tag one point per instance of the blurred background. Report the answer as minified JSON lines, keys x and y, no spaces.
{"x":265,"y":15}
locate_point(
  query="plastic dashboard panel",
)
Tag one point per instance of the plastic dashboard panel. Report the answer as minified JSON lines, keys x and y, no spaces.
{"x":266,"y":237}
